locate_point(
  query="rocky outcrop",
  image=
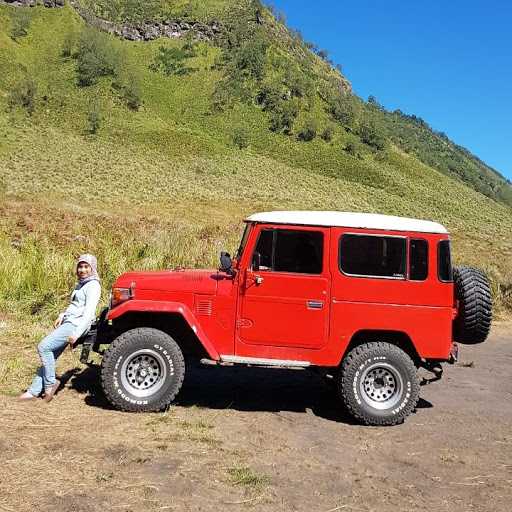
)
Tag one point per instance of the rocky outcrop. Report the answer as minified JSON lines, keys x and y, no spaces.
{"x":144,"y":31}
{"x":149,"y":30}
{"x":33,"y":3}
{"x":172,"y":29}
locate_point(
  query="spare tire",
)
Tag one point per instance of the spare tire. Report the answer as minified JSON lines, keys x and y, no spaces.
{"x":473,"y":293}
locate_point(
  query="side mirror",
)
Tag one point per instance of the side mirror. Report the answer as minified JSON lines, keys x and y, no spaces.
{"x":256,"y":261}
{"x":226,"y":265}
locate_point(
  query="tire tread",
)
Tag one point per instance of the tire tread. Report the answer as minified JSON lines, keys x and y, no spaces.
{"x":345,"y":384}
{"x":112,"y":353}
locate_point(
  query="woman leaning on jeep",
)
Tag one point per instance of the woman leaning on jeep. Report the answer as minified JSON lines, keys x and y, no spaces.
{"x":70,"y":325}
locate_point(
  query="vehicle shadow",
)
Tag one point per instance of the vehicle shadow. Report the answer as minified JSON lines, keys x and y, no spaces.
{"x":241,"y":389}
{"x":261,"y":389}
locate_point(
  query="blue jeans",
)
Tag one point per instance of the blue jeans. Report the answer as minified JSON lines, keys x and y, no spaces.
{"x":49,"y":350}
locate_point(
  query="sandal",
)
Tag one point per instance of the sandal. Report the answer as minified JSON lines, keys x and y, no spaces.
{"x":49,"y":392}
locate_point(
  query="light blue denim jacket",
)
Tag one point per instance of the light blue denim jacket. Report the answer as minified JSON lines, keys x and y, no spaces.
{"x":82,"y":310}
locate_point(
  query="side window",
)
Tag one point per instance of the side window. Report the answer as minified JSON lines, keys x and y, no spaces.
{"x":418,"y":260}
{"x":291,"y":251}
{"x":265,"y":248}
{"x":374,"y":256}
{"x":444,"y":262}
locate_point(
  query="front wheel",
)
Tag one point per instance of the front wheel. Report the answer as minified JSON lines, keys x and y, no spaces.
{"x":378,"y":384}
{"x":142,"y":370}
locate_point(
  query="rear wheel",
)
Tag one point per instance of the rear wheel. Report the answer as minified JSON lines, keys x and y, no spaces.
{"x":378,"y":384}
{"x":142,"y":370}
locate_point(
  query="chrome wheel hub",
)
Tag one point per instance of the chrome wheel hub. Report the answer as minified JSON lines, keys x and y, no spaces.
{"x":143,"y":373}
{"x":381,"y":386}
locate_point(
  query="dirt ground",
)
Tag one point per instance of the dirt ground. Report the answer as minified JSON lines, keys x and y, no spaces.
{"x":265,"y":440}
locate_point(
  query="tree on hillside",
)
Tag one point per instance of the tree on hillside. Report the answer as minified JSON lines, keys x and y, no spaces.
{"x":372,"y":101}
{"x":371,"y":135}
{"x":250,"y":58}
{"x":283,"y":117}
{"x":344,"y":110}
{"x":96,"y":57}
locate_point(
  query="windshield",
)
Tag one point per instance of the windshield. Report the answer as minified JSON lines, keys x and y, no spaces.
{"x":245,"y":236}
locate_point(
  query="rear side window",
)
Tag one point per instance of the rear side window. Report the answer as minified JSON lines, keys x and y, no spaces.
{"x":444,"y":262}
{"x":374,"y":256}
{"x":418,"y":260}
{"x":283,"y":250}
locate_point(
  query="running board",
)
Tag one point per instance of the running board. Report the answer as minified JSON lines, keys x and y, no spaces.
{"x":257,"y":361}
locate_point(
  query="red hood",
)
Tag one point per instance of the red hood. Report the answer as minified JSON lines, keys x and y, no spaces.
{"x":198,"y":281}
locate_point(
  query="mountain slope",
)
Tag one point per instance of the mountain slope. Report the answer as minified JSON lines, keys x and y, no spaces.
{"x":155,"y":162}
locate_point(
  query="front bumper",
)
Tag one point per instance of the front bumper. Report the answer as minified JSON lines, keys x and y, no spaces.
{"x":92,"y":340}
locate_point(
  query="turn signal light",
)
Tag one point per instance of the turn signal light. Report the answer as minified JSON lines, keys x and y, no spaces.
{"x":120,"y":295}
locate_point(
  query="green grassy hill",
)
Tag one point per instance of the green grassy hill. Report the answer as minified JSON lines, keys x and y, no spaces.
{"x":149,"y":153}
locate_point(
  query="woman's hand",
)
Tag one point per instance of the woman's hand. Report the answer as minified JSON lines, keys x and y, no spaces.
{"x":58,"y":321}
{"x":71,"y":341}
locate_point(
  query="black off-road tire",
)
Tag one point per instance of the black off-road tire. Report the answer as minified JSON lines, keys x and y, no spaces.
{"x":142,"y":370}
{"x":473,"y":292}
{"x":378,"y":384}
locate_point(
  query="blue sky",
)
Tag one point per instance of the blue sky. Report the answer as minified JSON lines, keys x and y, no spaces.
{"x":449,"y":62}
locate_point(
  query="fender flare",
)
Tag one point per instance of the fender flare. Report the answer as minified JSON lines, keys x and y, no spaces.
{"x":152,"y":306}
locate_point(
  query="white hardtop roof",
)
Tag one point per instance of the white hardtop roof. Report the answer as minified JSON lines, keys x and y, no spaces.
{"x":348,"y":219}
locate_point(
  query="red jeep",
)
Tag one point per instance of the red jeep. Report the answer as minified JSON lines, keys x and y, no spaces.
{"x":366,"y":299}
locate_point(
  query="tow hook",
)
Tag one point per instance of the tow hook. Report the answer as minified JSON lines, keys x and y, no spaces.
{"x":435,"y":368}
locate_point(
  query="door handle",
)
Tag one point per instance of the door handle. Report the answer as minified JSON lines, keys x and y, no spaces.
{"x":258,"y":280}
{"x":315,"y":304}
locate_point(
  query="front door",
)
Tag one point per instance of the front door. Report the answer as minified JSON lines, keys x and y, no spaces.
{"x":284,"y":298}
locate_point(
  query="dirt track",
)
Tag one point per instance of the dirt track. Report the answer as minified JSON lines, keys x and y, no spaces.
{"x":266,"y":440}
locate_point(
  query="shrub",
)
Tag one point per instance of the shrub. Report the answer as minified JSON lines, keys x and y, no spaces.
{"x":283,"y":117}
{"x":132,"y":93}
{"x":271,"y":96}
{"x":327,"y":133}
{"x":299,"y":84}
{"x":20,"y":23}
{"x":96,"y":57}
{"x":127,"y":83}
{"x":308,"y":132}
{"x":23,"y":95}
{"x":354,"y":149}
{"x":93,"y":119}
{"x":227,"y":91}
{"x":371,"y":136}
{"x":171,"y":61}
{"x":343,"y":109}
{"x":69,"y":44}
{"x":250,"y":58}
{"x":241,"y":137}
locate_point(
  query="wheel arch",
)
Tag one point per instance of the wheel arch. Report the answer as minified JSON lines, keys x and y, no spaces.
{"x":173,"y":324}
{"x":398,"y":338}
